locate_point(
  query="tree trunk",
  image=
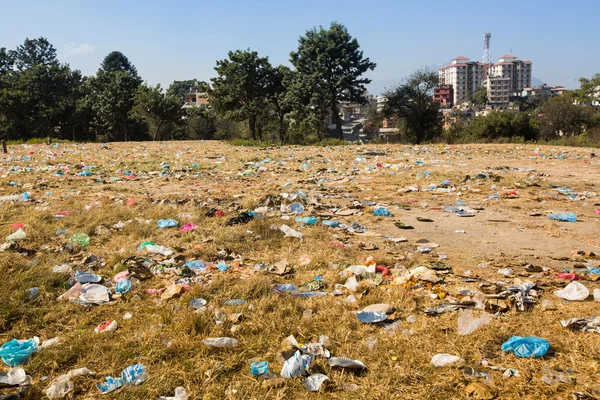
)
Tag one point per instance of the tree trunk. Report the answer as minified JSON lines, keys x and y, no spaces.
{"x":335,"y":118}
{"x":259,"y":130}
{"x":281,"y":129}
{"x":252,"y":125}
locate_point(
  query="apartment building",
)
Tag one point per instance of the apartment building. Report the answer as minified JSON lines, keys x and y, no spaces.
{"x":196,"y":98}
{"x":518,"y":71}
{"x":464,"y":76}
{"x":499,"y":90}
{"x":444,"y":95}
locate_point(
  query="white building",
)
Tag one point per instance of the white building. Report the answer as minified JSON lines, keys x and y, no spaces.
{"x":381,"y":100}
{"x":464,"y":75}
{"x":518,"y":71}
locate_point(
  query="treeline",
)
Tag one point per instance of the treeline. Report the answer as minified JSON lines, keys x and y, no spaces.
{"x":570,"y":118}
{"x":248,"y":98}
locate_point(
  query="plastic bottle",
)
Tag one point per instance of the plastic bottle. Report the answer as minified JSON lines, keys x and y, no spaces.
{"x":221,"y":342}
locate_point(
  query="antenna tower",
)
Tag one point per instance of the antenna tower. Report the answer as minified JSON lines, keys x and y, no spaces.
{"x":486,"y":55}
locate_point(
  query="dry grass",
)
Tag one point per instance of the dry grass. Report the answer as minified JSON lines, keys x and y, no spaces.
{"x":165,"y":336}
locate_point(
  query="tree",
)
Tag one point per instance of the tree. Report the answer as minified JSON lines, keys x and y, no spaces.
{"x":111,"y":97}
{"x":412,"y":105}
{"x":330,"y":61}
{"x":240,"y":89}
{"x":277,"y":94}
{"x":200,"y":124}
{"x":589,"y":89}
{"x":308,"y":105}
{"x":180,"y":89}
{"x":480,"y":96}
{"x":117,"y":62}
{"x":159,"y":111}
{"x":6,"y":62}
{"x":561,"y":116}
{"x":33,"y":52}
{"x":500,"y":125}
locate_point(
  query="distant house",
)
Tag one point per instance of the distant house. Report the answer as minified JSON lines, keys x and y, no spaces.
{"x":196,"y":98}
{"x":444,"y":95}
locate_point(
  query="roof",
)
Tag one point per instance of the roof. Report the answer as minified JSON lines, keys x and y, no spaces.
{"x":461,"y":58}
{"x":508,"y":56}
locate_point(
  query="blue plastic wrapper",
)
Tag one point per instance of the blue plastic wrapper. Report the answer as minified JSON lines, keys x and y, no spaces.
{"x":296,"y":208}
{"x":134,"y":374}
{"x":312,"y":221}
{"x":234,"y":302}
{"x":382,"y":212}
{"x":194,"y":264}
{"x":167,"y":223}
{"x":566,"y":217}
{"x":285,"y":287}
{"x":17,"y":352}
{"x":222,"y":267}
{"x":110,"y":384}
{"x":530,"y":346}
{"x":331,"y":224}
{"x":123,"y":286}
{"x":259,"y":368}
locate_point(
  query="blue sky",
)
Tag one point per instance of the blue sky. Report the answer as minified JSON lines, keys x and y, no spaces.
{"x":182,"y":40}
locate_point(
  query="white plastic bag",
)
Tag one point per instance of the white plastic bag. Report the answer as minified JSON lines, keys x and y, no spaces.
{"x":574,"y":291}
{"x":446,"y":360}
{"x":467,"y":323}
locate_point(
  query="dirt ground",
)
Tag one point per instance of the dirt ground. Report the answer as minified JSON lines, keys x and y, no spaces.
{"x":509,"y":189}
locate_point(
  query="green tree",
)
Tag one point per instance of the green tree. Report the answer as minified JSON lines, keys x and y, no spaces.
{"x":499,"y":125}
{"x":480,"y":96}
{"x":277,"y":95}
{"x":159,"y":111}
{"x":561,"y":116}
{"x":329,"y":61}
{"x":308,"y":107}
{"x":34,"y":52}
{"x":117,"y":62}
{"x":240,"y":90}
{"x":411,"y":103}
{"x":589,"y":89}
{"x":199,"y":123}
{"x":111,"y":97}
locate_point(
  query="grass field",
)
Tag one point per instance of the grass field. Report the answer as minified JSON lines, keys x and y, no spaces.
{"x":183,"y":180}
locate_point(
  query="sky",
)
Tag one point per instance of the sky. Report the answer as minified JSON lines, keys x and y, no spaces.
{"x":169,"y":41}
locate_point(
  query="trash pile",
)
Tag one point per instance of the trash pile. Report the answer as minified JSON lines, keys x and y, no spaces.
{"x":182,"y":270}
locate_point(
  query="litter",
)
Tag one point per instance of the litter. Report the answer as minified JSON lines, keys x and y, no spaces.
{"x":526,"y":346}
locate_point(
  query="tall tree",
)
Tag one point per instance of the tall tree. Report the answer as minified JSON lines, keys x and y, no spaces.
{"x":6,"y":61}
{"x":240,"y":89}
{"x":412,"y":104}
{"x":159,"y":111}
{"x":111,"y":95}
{"x":34,"y":52}
{"x":117,"y":62}
{"x":277,"y":92}
{"x":334,"y":64}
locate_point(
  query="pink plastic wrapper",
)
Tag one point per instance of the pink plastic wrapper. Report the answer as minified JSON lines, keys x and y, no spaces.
{"x":190,"y":226}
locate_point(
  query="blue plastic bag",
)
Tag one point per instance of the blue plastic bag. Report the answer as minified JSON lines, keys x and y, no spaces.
{"x":382,"y":212}
{"x":123,"y":286}
{"x":17,"y":352}
{"x":530,"y":346}
{"x":566,"y":217}
{"x":167,"y":223}
{"x":331,"y":224}
{"x":134,"y":374}
{"x":311,"y":221}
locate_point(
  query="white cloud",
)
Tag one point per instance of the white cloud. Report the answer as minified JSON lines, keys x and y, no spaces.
{"x":74,"y":49}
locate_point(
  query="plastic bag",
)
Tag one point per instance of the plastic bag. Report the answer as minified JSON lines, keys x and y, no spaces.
{"x":296,"y":366}
{"x":467,"y":323}
{"x":18,"y":235}
{"x":530,"y":346}
{"x":565,"y":217}
{"x":574,"y":291}
{"x":80,"y":238}
{"x":167,"y":223}
{"x":314,"y":382}
{"x":123,"y":286}
{"x":180,"y":394}
{"x":17,"y":352}
{"x":382,"y":212}
{"x":290,"y":232}
{"x":446,"y":360}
